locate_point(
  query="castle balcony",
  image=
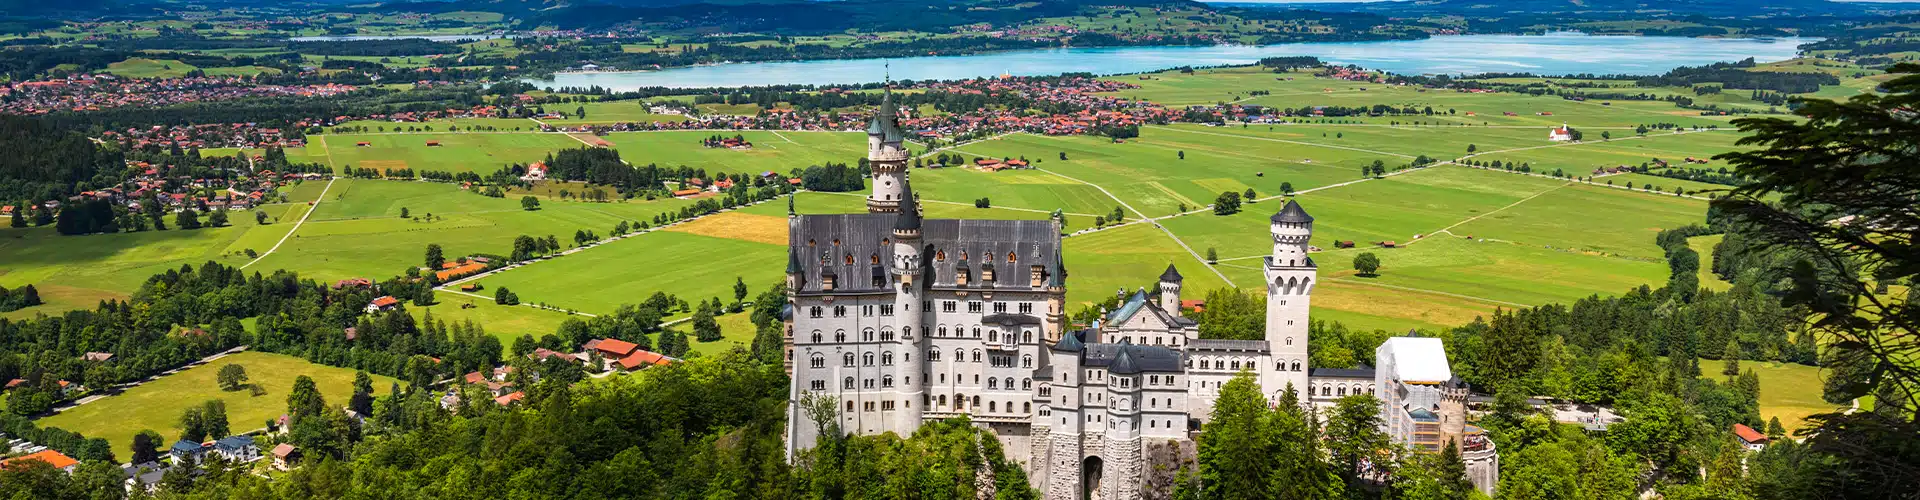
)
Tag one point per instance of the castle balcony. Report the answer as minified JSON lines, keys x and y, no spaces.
{"x":887,"y":155}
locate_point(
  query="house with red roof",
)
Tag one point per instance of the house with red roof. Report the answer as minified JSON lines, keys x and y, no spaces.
{"x":1752,"y":439}
{"x":510,"y":398}
{"x":384,"y":303}
{"x":50,"y":457}
{"x":611,"y":348}
{"x":1560,"y":134}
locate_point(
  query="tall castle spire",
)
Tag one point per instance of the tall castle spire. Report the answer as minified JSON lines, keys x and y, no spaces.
{"x":887,"y":157}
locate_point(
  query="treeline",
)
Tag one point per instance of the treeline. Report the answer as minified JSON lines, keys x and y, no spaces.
{"x":1734,"y":75}
{"x":19,"y":298}
{"x":835,"y":178}
{"x":44,"y":162}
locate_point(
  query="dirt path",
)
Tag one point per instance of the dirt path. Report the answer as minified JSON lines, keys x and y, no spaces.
{"x":297,"y":224}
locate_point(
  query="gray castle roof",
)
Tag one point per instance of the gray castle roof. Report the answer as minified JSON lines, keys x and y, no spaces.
{"x":823,"y":244}
{"x":886,"y":121}
{"x":1292,"y":213}
{"x":1127,"y":359}
{"x":1171,"y":276}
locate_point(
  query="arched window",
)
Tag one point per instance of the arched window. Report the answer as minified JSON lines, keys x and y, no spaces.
{"x":933,"y":355}
{"x":976,"y":332}
{"x":886,"y":381}
{"x":1289,"y":340}
{"x":976,"y":355}
{"x":906,"y":332}
{"x":1026,"y":384}
{"x":839,"y":335}
{"x":847,"y":384}
{"x":846,"y":359}
{"x":943,"y":401}
{"x":1010,"y":257}
{"x":1326,"y":390}
{"x":849,"y":259}
{"x":819,"y":361}
{"x":942,"y":257}
{"x":1026,"y":407}
{"x":866,"y":336}
{"x":816,"y":336}
{"x":866,"y":359}
{"x":1026,"y":338}
{"x":976,"y":401}
{"x":1026,"y":361}
{"x":993,"y":335}
{"x":1296,"y":365}
{"x":959,"y":355}
{"x":993,"y":383}
{"x":1204,"y":364}
{"x":993,"y":406}
{"x":886,"y":359}
{"x":943,"y":331}
{"x":1343,"y":391}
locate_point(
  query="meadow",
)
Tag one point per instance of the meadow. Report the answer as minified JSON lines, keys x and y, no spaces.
{"x":157,"y":405}
{"x":780,"y":152}
{"x":480,"y":152}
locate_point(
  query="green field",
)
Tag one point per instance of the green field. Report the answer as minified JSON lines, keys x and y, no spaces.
{"x":357,"y":232}
{"x":481,"y":152}
{"x":607,"y":112}
{"x":157,"y":405}
{"x":74,"y":272}
{"x":780,"y":152}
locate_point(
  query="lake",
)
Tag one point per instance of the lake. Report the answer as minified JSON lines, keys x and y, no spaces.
{"x":1550,"y":54}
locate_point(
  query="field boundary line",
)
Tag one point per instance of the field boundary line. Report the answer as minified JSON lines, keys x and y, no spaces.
{"x":776,"y":133}
{"x":1449,"y":229}
{"x":1302,"y":143}
{"x":558,"y":310}
{"x":1423,"y":290}
{"x":297,"y":224}
{"x":323,"y":147}
{"x":1143,"y":218}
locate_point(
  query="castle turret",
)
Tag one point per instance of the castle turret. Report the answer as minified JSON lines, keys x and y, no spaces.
{"x":1170,"y":291}
{"x":1290,"y":276}
{"x":910,"y":286}
{"x":887,"y":157}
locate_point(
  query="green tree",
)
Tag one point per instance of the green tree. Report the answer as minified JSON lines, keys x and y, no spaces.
{"x":1354,"y":439}
{"x":705,"y":327}
{"x":1606,"y":136}
{"x":186,"y":219}
{"x":1367,"y":264}
{"x":739,"y":289}
{"x":305,"y":399}
{"x":214,"y":415}
{"x":1440,"y":476}
{"x":529,"y":203}
{"x":1248,"y":196}
{"x":19,"y":217}
{"x":1227,"y":204}
{"x":362,"y":400}
{"x":1471,"y":148}
{"x":1183,"y":155}
{"x":232,"y":377}
{"x":435,"y":259}
{"x":1286,"y":188}
{"x":146,"y":446}
{"x":1213,"y":257}
{"x":260,"y":217}
{"x":218,"y":218}
{"x":404,"y":214}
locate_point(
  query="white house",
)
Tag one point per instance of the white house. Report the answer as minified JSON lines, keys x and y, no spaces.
{"x":1563,"y":133}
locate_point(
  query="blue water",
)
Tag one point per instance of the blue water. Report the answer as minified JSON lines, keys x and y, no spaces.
{"x":1551,"y":54}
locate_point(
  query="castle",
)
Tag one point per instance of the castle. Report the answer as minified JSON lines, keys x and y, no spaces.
{"x":902,"y":320}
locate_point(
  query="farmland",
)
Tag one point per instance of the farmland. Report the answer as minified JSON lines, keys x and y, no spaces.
{"x":157,"y":405}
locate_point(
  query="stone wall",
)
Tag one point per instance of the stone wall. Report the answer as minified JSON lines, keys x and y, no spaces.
{"x":1164,"y":460}
{"x":1124,"y":470}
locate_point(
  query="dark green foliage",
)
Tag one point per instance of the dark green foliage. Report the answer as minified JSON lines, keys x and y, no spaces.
{"x":1227,"y":204}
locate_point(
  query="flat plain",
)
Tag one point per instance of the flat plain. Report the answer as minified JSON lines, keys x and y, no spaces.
{"x":157,"y":405}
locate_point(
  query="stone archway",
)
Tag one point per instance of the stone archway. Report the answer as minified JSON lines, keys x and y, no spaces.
{"x":1090,"y":478}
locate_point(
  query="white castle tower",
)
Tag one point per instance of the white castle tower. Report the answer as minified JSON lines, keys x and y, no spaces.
{"x":910,"y":285}
{"x":887,"y":156}
{"x":1290,"y":275}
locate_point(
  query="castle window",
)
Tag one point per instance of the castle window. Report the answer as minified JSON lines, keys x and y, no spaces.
{"x":1289,"y":340}
{"x":993,"y":383}
{"x":1326,"y":391}
{"x":847,"y":384}
{"x":1026,"y":407}
{"x":943,"y":400}
{"x":849,"y":403}
{"x":818,"y":361}
{"x":886,"y":359}
{"x":816,"y":336}
{"x":866,"y":359}
{"x":993,"y":406}
{"x":943,"y":331}
{"x":976,"y":332}
{"x":846,"y":359}
{"x":1026,"y":337}
{"x":1026,"y":361}
{"x":940,"y":256}
{"x":933,"y":355}
{"x":1026,"y":308}
{"x":976,"y":355}
{"x":866,"y":336}
{"x":1010,"y":258}
{"x":974,"y":307}
{"x":1026,"y":384}
{"x":993,"y":336}
{"x":819,"y":385}
{"x":999,"y":308}
{"x":839,"y":311}
{"x":839,"y":335}
{"x":1343,"y":392}
{"x":867,"y":382}
{"x":886,"y":309}
{"x":809,"y":242}
{"x":1296,"y":365}
{"x":886,"y":381}
{"x":849,"y":259}
{"x":949,"y":306}
{"x":873,"y":259}
{"x":959,"y":355}
{"x":815,"y":312}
